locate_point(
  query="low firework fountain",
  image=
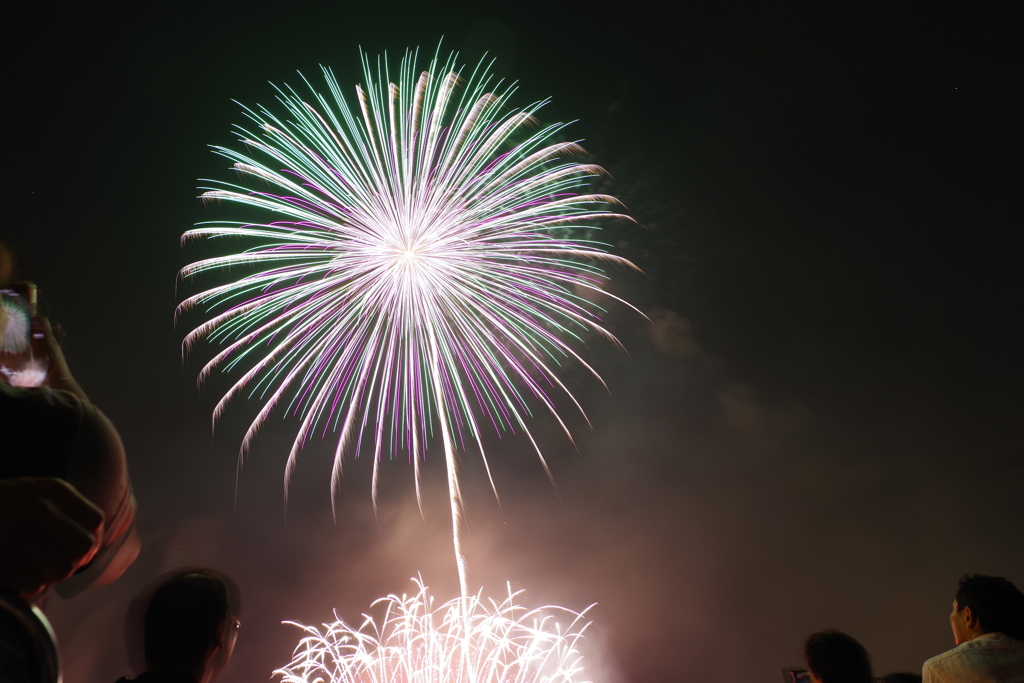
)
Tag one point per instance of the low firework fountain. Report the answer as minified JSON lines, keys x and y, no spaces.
{"x":417,"y":275}
{"x":464,"y":641}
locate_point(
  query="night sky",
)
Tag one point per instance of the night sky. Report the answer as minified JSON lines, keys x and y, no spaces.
{"x":822,"y":427}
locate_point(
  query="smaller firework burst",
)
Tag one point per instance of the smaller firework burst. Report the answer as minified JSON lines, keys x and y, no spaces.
{"x":14,"y":337}
{"x":466,"y":640}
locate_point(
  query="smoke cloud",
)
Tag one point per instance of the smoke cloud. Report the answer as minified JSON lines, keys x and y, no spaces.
{"x":714,"y":522}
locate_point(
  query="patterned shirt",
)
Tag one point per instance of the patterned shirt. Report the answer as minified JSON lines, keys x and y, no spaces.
{"x":989,"y":658}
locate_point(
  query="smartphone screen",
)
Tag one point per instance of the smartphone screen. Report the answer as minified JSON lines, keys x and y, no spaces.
{"x":20,"y":364}
{"x":17,"y":332}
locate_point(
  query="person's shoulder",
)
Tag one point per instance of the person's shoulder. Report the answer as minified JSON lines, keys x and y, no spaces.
{"x":965,"y":652}
{"x":946,"y":659}
{"x":995,"y":641}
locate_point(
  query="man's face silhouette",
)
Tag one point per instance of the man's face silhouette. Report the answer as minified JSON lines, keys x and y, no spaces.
{"x":964,"y":624}
{"x":222,"y":655}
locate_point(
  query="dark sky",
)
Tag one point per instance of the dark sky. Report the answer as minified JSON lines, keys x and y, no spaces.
{"x":822,"y":427}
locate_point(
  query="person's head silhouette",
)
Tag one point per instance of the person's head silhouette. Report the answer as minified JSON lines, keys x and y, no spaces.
{"x":189,"y":626}
{"x":834,"y":657}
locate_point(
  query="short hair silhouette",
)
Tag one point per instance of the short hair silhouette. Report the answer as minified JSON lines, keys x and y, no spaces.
{"x":997,"y":603}
{"x":184,"y":619}
{"x":835,"y":657}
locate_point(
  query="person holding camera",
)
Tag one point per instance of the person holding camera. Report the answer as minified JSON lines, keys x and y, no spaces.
{"x":66,"y":506}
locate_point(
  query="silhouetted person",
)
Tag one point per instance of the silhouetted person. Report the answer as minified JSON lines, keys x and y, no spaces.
{"x":834,"y":657}
{"x":67,"y":514}
{"x":190,"y":625}
{"x":66,"y":506}
{"x":988,"y":628}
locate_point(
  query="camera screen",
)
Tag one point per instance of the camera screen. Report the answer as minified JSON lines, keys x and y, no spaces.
{"x":17,"y":323}
{"x":20,"y":365}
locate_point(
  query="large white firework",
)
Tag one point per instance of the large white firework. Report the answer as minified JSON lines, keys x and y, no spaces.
{"x":414,"y":270}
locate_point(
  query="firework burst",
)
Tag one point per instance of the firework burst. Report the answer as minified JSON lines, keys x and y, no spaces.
{"x":415,"y":274}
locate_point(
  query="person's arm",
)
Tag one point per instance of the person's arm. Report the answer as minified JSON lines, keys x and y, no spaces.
{"x":47,"y":531}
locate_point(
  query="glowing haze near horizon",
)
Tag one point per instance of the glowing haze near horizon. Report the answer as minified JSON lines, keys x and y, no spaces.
{"x":420,"y":273}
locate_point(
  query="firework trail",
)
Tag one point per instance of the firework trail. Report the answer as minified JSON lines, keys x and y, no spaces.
{"x":416,"y":273}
